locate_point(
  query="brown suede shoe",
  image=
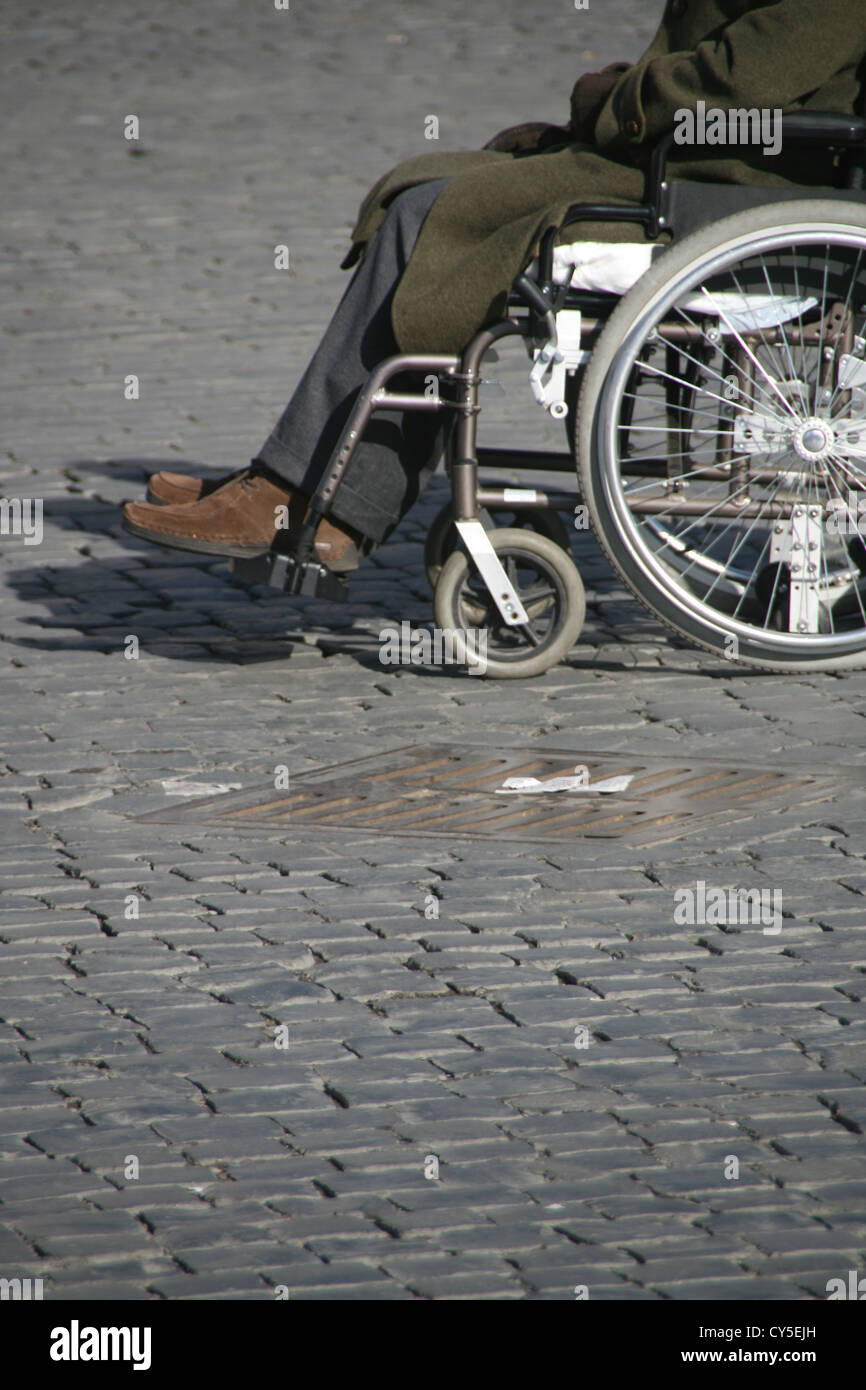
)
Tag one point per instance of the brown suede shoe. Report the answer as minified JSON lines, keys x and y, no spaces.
{"x":240,"y":518}
{"x":179,"y":489}
{"x":336,"y":547}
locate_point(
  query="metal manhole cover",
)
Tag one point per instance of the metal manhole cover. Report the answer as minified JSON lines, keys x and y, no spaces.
{"x":449,"y":791}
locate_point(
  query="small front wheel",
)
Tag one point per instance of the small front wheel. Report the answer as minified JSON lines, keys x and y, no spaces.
{"x":547,"y":584}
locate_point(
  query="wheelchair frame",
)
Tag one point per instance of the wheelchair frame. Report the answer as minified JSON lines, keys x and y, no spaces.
{"x":538,"y":302}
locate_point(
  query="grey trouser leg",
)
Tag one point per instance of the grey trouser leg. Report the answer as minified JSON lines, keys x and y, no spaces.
{"x":394,"y":461}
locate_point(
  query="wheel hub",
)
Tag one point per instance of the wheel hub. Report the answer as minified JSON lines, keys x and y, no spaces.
{"x":814,"y":440}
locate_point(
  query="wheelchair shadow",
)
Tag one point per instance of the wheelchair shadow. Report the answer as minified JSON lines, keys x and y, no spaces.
{"x":188,"y":607}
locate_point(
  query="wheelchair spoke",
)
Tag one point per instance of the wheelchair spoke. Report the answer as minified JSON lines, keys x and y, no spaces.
{"x":847,"y":309}
{"x":790,"y":367}
{"x":821,"y":339}
{"x":540,"y":591}
{"x":744,"y":536}
{"x":766,"y":397}
{"x":535,"y":593}
{"x":718,"y":535}
{"x":725,"y":356}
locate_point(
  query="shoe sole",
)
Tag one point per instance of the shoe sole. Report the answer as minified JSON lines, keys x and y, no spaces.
{"x":231,"y":548}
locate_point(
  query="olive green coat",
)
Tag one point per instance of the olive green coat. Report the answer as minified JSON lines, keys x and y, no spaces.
{"x":485,"y":226}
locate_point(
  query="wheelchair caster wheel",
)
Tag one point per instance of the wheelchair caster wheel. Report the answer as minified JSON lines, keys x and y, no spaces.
{"x":547,"y":584}
{"x":442,"y":538}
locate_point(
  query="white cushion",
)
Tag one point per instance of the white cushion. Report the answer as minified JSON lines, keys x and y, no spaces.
{"x":610,"y":268}
{"x":602,"y":265}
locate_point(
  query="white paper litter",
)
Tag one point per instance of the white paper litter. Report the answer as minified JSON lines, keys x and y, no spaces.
{"x":175,"y":787}
{"x":530,"y":786}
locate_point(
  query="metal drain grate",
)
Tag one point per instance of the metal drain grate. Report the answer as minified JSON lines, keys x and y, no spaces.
{"x":452,"y":792}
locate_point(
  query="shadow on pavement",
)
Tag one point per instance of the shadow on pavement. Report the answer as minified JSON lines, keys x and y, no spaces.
{"x":187,"y":606}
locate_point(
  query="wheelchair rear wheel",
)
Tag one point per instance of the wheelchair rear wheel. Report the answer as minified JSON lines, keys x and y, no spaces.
{"x":442,"y":538}
{"x":720,"y":437}
{"x":549,"y":587}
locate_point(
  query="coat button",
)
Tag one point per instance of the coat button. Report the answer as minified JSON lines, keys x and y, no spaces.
{"x":632,"y":128}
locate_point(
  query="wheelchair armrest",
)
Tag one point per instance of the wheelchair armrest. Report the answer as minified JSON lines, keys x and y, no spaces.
{"x":827,"y":128}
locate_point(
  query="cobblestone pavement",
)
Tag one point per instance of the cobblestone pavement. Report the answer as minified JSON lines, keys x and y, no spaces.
{"x":152,"y":1038}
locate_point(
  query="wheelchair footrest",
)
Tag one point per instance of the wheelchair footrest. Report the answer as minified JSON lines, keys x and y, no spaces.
{"x":305,"y":577}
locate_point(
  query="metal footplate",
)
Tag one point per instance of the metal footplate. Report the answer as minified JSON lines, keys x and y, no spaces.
{"x":305,"y":577}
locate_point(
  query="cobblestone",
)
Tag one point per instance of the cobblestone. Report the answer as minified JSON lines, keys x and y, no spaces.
{"x":410,"y":1038}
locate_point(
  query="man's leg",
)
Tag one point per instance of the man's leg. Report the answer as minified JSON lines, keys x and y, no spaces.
{"x":391,"y":465}
{"x":400,"y":449}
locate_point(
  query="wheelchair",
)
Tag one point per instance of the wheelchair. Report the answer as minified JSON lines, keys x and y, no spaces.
{"x":713,"y":392}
